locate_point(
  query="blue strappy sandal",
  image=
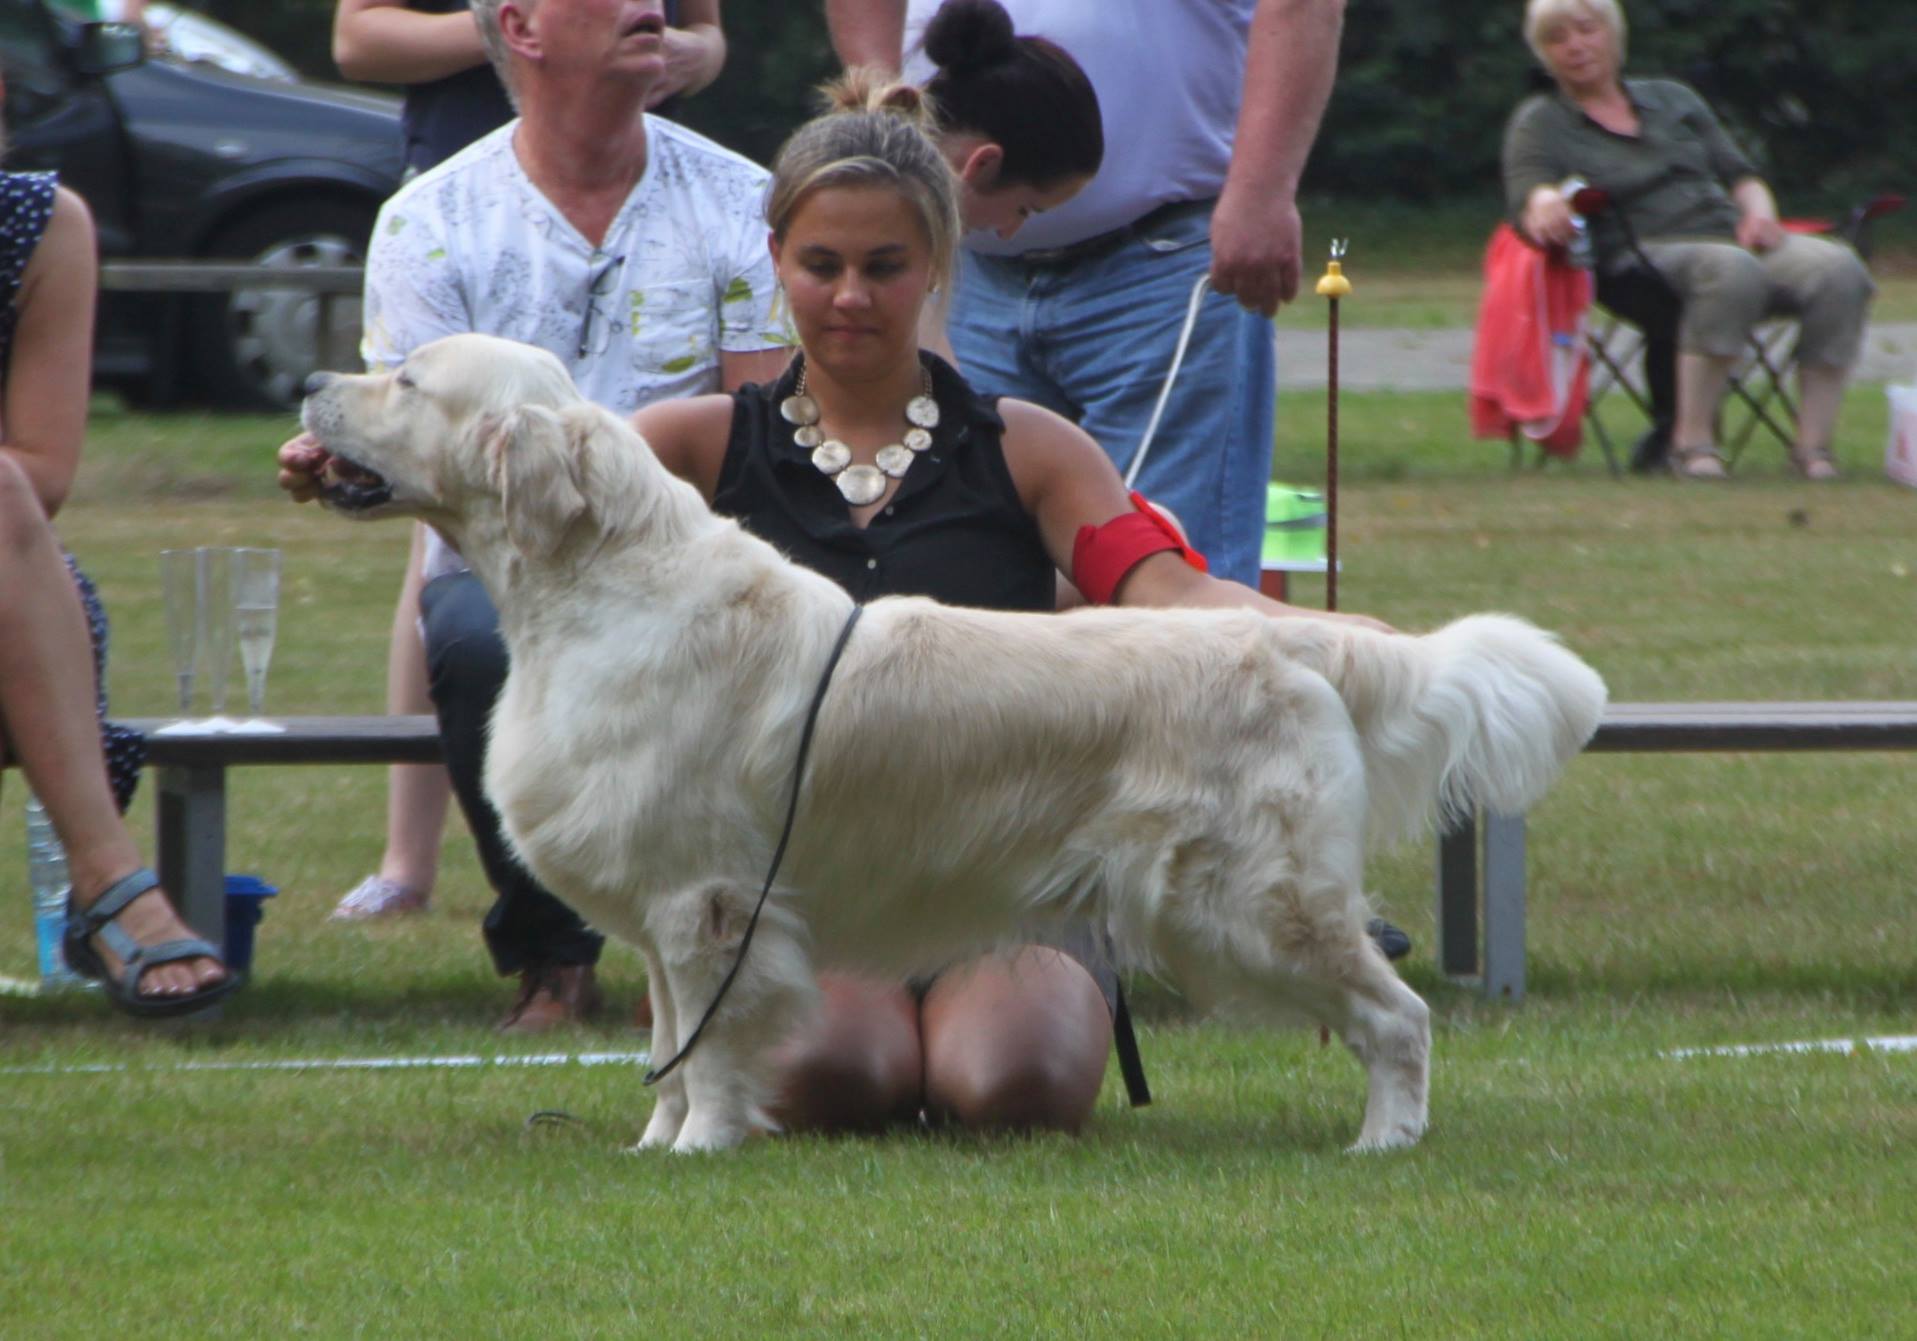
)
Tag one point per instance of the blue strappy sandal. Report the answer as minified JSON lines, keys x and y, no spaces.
{"x":83,"y":925}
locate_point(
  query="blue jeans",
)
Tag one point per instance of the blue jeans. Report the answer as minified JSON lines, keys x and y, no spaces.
{"x":1092,"y":339}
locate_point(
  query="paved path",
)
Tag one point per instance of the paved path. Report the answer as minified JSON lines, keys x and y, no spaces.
{"x":1440,"y":360}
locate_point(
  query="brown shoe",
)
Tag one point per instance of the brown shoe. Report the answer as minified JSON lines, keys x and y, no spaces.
{"x":552,"y":995}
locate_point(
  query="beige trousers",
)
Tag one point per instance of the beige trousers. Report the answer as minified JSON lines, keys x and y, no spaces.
{"x":1727,"y":291}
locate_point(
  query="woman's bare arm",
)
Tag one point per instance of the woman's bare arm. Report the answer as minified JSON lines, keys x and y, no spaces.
{"x":44,"y":417}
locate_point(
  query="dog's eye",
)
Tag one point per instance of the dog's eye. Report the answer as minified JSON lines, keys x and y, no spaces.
{"x":404,"y":380}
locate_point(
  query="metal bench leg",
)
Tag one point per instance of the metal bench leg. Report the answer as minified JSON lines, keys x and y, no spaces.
{"x":1458,"y":899}
{"x":191,"y":825}
{"x":1504,"y":907}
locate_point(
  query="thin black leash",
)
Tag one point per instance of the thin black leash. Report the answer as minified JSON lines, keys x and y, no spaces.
{"x":658,"y":1074}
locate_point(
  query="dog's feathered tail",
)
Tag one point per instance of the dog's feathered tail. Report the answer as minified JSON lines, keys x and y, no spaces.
{"x":1483,"y":713}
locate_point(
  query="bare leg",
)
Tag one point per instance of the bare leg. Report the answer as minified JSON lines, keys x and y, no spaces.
{"x":416,"y":794}
{"x":1820,"y":392}
{"x":1701,"y":379}
{"x":856,"y":1065}
{"x":1017,"y":1040}
{"x":48,"y":724}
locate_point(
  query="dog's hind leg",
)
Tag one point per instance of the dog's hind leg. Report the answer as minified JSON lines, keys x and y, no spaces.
{"x":1387,"y":1026}
{"x":669,"y":1105}
{"x":1299,"y":945}
{"x":1346,"y":983}
{"x":727,"y":1076}
{"x":1323,"y":962}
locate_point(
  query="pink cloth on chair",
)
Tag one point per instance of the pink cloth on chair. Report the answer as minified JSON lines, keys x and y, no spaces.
{"x":1530,"y":370}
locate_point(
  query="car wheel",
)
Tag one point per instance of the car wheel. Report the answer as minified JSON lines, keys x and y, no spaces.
{"x":257,"y":347}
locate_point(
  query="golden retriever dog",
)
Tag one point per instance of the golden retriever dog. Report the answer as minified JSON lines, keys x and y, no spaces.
{"x":1202,"y":784}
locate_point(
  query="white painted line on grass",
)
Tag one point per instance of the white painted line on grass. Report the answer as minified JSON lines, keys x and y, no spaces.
{"x":343,"y":1064}
{"x":1888,"y":1043}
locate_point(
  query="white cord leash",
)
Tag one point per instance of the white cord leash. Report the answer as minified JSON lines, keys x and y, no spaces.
{"x":1171,"y":380}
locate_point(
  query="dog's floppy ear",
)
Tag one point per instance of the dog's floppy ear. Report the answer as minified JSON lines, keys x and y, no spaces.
{"x":533,"y":466}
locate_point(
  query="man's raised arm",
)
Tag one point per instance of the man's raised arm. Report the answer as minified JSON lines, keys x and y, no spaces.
{"x":867,"y":32}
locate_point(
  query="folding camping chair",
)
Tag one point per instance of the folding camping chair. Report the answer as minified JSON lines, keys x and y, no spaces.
{"x":1633,"y":344}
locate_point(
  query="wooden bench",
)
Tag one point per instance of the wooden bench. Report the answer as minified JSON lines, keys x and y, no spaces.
{"x":1482,"y":861}
{"x":189,"y":773}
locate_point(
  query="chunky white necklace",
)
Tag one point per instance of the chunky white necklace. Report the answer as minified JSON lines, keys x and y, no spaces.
{"x":861,"y":484}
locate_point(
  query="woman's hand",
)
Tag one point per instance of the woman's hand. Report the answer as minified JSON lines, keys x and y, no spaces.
{"x":1757,"y":226}
{"x":1547,"y":217}
{"x":302,"y":461}
{"x":1759,"y":233}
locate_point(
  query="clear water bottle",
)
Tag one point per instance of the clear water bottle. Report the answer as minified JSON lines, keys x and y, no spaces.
{"x":47,"y":872}
{"x":1578,"y":250}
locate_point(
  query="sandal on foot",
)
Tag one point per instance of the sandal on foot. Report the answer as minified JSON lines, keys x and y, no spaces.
{"x":1814,"y":463}
{"x":376,"y":896}
{"x":83,"y":925}
{"x":1698,"y":463}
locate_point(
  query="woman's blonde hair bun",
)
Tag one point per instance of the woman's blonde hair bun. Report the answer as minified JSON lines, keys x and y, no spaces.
{"x":871,"y":88}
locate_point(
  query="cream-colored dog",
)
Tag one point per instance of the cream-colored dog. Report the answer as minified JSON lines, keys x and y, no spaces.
{"x":1201,"y":783}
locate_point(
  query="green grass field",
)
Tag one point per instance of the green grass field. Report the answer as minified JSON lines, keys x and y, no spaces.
{"x":1577,"y":1182}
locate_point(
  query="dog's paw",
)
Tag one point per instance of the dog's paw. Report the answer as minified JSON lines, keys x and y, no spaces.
{"x":663,"y":1127}
{"x":1397,"y":1136}
{"x":697,"y":1137}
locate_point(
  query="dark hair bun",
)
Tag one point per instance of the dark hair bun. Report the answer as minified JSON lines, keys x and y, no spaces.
{"x":969,"y":35}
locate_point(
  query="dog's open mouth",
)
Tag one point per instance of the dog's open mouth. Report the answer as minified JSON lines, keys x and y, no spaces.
{"x":351,"y":487}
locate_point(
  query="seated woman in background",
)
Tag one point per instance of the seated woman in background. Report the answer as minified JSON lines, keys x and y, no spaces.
{"x":52,"y":633}
{"x":1705,"y":219}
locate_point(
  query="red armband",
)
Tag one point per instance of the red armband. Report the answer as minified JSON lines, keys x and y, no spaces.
{"x":1103,"y":555}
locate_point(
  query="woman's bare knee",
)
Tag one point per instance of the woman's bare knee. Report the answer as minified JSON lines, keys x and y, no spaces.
{"x":1016,"y":1042}
{"x":856,"y":1066}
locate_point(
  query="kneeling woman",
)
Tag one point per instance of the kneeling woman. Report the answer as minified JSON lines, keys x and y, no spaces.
{"x":873,"y":462}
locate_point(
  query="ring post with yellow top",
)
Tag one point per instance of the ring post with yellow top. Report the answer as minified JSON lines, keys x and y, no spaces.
{"x":1332,"y":285}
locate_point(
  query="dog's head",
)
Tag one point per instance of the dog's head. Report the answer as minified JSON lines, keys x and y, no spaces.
{"x":467,"y":426}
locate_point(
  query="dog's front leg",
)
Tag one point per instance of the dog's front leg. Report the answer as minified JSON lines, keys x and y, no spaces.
{"x":669,"y":1103}
{"x":727,"y":1076}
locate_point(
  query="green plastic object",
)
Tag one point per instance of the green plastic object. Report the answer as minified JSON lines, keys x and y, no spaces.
{"x":1294,"y":524}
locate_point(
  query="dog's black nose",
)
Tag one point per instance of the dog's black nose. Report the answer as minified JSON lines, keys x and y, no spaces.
{"x":316,"y":383}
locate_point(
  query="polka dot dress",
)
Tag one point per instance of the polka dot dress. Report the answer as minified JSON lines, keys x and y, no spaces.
{"x":26,"y":203}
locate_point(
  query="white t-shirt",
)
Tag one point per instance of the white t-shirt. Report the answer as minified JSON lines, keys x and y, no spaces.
{"x":682,"y":274}
{"x":1169,"y":76}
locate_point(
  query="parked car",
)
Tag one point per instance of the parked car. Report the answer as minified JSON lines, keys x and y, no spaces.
{"x":182,"y":160}
{"x":182,"y":34}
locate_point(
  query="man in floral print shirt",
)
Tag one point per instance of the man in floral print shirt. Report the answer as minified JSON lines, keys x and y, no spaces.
{"x":635,"y":251}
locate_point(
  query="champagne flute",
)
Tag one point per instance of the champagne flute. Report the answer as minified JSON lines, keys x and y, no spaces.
{"x":183,"y":587}
{"x":256,"y":601}
{"x":216,"y":618}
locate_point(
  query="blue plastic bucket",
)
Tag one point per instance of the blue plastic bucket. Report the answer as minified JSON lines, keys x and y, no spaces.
{"x":244,"y":896}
